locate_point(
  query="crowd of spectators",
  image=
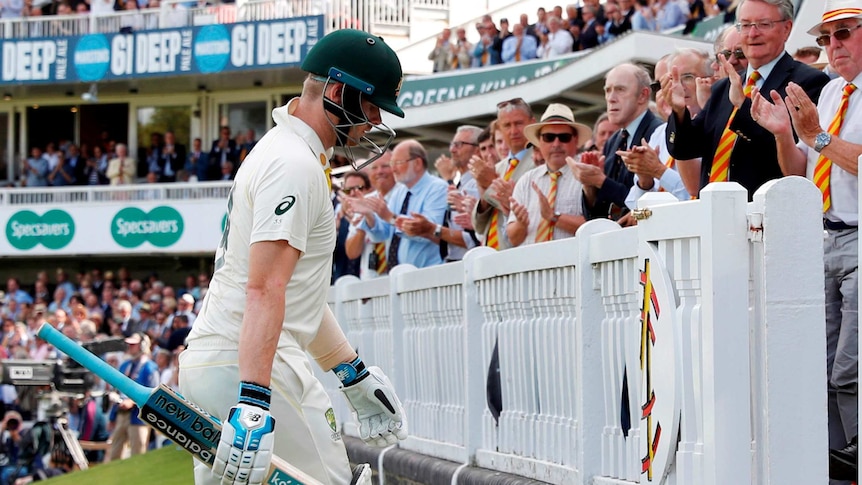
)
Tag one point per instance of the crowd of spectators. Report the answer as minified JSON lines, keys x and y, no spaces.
{"x":561,"y":31}
{"x":109,"y":163}
{"x":11,"y":9}
{"x":151,"y":317}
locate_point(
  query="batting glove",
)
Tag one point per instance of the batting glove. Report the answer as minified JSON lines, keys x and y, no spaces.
{"x":247,"y":438}
{"x":374,"y":404}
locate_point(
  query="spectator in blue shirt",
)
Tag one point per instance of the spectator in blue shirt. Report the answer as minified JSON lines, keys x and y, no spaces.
{"x":417,"y":192}
{"x":36,"y":168}
{"x":519,"y":46}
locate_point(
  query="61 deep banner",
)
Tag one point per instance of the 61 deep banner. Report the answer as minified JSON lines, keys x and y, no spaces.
{"x":161,"y":227}
{"x":160,"y":53}
{"x":53,"y":229}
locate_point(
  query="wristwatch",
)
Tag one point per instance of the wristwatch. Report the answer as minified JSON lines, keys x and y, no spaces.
{"x":821,"y":141}
{"x":438,"y":231}
{"x":555,"y":218}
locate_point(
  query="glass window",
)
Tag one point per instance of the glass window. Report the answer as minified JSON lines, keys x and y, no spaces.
{"x":241,"y":117}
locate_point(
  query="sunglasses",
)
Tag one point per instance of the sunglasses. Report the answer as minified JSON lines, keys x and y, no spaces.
{"x":550,"y":137}
{"x":738,"y":54}
{"x":355,"y":187}
{"x":459,"y":144}
{"x":840,"y":34}
{"x":513,"y":101}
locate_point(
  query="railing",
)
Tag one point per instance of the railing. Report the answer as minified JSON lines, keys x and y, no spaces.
{"x":704,"y":316}
{"x":32,"y":197}
{"x":365,"y":14}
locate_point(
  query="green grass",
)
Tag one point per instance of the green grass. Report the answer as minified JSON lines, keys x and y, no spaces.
{"x":165,"y":466}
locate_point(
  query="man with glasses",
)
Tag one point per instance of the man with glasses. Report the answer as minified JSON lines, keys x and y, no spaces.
{"x":490,"y":214}
{"x":546,"y":201}
{"x":654,"y":168}
{"x":727,"y":44}
{"x":828,"y":152}
{"x":732,"y":146}
{"x":453,"y":238}
{"x":419,"y":197}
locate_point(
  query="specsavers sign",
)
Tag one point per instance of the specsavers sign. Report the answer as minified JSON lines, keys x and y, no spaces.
{"x":166,"y":52}
{"x":179,"y":228}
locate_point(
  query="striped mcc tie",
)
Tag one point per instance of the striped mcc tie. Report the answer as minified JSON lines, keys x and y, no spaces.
{"x":721,"y":161}
{"x":823,"y":169}
{"x":493,"y":233}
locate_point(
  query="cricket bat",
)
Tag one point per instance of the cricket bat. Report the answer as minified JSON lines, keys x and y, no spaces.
{"x":170,"y":413}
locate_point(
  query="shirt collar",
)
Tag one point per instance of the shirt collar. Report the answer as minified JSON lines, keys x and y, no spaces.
{"x":283,"y":115}
{"x":520,"y":155}
{"x":633,"y":127}
{"x":764,"y":70}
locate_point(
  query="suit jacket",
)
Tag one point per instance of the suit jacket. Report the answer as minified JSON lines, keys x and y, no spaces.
{"x":200,"y":168}
{"x":482,"y":219}
{"x":589,"y":36}
{"x":232,"y":152}
{"x":79,"y":164}
{"x":177,"y":160}
{"x":619,"y":180}
{"x":754,"y":159}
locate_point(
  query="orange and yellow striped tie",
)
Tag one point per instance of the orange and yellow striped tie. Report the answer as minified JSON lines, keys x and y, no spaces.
{"x":671,"y":163}
{"x":493,"y":233}
{"x":380,"y":251}
{"x":721,"y":161}
{"x":823,"y":169}
{"x":546,"y":227}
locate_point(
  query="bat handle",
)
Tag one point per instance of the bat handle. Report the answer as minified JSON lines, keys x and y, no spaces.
{"x":112,"y":376}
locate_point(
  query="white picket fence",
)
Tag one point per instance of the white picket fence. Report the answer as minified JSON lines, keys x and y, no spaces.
{"x":724,"y":358}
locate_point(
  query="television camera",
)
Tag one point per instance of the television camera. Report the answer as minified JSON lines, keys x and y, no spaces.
{"x":64,"y":375}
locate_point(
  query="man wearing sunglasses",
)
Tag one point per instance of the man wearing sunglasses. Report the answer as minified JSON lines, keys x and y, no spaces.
{"x":732,"y":146}
{"x":546,"y":202}
{"x":828,"y":151}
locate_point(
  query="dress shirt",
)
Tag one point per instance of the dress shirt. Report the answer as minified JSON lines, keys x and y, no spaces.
{"x":559,"y":43}
{"x":429,"y":199}
{"x":670,"y":180}
{"x":528,"y":48}
{"x":568,"y":199}
{"x":844,"y":185}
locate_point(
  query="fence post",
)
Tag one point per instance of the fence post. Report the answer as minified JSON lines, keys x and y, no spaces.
{"x":590,"y":405}
{"x":790,"y":334}
{"x":397,"y":374}
{"x":726,"y":371}
{"x":474,"y":364}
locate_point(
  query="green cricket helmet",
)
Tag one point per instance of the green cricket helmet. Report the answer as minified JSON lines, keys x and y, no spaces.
{"x":362,"y":61}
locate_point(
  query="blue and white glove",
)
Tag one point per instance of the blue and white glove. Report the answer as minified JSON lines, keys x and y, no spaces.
{"x":247,"y":438}
{"x":372,"y":398}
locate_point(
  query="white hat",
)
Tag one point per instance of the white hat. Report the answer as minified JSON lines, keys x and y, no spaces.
{"x":837,"y":10}
{"x":558,"y":114}
{"x":188,"y":298}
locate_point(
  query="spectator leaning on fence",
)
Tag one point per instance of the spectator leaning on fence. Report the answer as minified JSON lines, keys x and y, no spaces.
{"x":828,"y":153}
{"x":546,"y":202}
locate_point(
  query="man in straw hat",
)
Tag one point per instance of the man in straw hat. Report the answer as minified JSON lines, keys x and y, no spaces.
{"x":828,"y":153}
{"x":546,"y":201}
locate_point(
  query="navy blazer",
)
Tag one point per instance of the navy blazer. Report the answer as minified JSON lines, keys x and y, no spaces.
{"x":619,"y":180}
{"x":754,"y":159}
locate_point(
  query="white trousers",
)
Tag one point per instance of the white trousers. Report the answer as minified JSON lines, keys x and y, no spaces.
{"x":209,"y":377}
